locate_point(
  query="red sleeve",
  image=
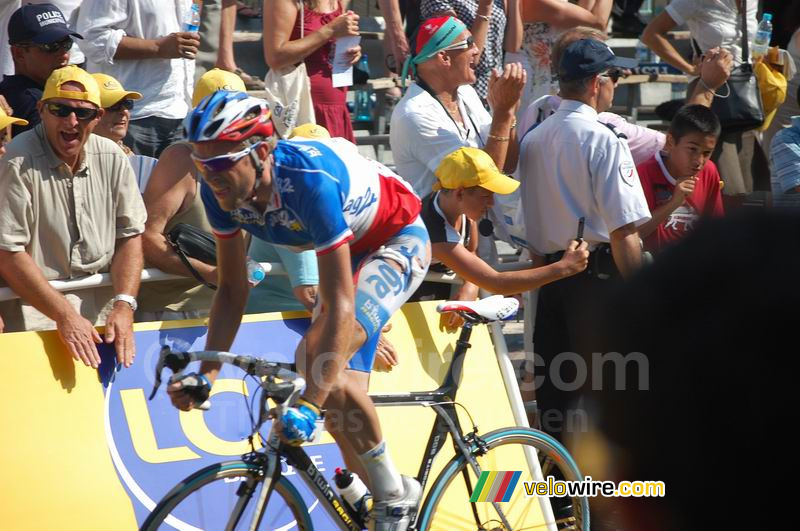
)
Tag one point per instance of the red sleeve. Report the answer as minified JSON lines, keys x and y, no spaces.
{"x":713,"y":204}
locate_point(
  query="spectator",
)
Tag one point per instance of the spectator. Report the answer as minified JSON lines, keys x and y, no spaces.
{"x":486,"y":20}
{"x":40,"y":41}
{"x":440,"y":112}
{"x":323,"y":22}
{"x":464,"y":191}
{"x":298,"y":290}
{"x":626,"y":19}
{"x":575,"y":170}
{"x":544,"y":20}
{"x":643,"y":141}
{"x":6,"y":9}
{"x":217,"y":25}
{"x":117,"y":104}
{"x":6,"y":121}
{"x":70,"y":9}
{"x":141,"y":44}
{"x":69,"y":208}
{"x":790,"y":107}
{"x":172,"y":196}
{"x":785,"y":161}
{"x":681,"y":185}
{"x":712,"y":23}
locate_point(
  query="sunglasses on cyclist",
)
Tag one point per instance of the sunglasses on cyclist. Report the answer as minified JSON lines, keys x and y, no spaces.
{"x":466,"y":44}
{"x":50,"y":47}
{"x":614,"y":74}
{"x":124,"y":104}
{"x":62,"y":111}
{"x":224,"y":162}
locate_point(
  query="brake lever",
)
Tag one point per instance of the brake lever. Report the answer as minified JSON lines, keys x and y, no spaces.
{"x":174,"y":361}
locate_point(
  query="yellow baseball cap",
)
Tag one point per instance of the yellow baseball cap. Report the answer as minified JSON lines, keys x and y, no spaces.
{"x":6,"y":120}
{"x":214,"y":80}
{"x":467,"y":167}
{"x":52,"y":88}
{"x":111,"y":90}
{"x":310,"y":131}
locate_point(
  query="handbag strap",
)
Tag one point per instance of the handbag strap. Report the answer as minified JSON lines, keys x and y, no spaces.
{"x":301,"y":7}
{"x":189,"y":266}
{"x":742,"y":5}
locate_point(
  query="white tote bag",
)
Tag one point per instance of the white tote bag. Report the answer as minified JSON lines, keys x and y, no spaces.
{"x":289,"y":93}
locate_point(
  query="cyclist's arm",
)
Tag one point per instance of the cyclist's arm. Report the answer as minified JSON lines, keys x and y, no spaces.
{"x":229,"y":300}
{"x":473,"y":269}
{"x":332,"y":338}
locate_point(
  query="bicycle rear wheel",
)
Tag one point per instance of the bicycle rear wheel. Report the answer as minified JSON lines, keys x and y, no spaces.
{"x":224,"y":496}
{"x":448,"y":505}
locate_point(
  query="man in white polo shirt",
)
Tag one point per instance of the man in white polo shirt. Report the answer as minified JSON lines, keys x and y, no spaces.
{"x":575,"y":172}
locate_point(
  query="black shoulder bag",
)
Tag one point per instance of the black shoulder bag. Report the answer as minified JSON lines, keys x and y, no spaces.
{"x":741,"y":110}
{"x":188,"y":240}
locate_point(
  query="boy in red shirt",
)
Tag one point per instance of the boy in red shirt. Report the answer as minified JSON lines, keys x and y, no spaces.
{"x":680,"y":183}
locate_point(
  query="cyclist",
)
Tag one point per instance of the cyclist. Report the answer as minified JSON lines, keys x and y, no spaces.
{"x":372,"y":249}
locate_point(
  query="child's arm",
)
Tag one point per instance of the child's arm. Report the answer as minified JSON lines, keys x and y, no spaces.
{"x":662,"y":212}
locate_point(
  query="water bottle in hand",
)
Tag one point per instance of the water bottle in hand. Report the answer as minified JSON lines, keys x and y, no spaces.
{"x":255,"y":273}
{"x":191,"y":22}
{"x":763,"y":36}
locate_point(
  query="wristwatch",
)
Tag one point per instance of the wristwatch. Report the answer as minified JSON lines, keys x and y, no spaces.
{"x":130,"y":299}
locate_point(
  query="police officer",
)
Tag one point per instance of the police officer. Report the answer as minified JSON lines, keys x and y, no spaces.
{"x":577,"y":171}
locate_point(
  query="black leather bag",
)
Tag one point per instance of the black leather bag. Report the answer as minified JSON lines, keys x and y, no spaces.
{"x":742,"y":109}
{"x":189,"y":241}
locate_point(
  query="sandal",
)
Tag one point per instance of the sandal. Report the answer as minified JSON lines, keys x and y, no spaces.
{"x":245,"y":11}
{"x":251,"y":82}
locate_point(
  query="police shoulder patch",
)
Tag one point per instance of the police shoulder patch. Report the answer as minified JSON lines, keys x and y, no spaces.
{"x":627,"y":170}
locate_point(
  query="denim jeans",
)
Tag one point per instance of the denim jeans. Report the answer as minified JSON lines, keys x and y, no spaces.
{"x":150,"y":136}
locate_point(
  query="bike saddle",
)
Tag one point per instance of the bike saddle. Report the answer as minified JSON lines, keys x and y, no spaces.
{"x":494,"y":308}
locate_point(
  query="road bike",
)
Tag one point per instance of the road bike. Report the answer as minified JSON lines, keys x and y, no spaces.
{"x":253,"y":493}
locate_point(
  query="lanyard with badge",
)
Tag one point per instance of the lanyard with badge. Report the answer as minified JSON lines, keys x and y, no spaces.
{"x":424,"y":86}
{"x":485,"y":226}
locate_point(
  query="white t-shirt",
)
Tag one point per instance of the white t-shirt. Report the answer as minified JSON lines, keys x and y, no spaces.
{"x":715,"y":23}
{"x":165,"y":84}
{"x":573,"y":167}
{"x":423,"y":133}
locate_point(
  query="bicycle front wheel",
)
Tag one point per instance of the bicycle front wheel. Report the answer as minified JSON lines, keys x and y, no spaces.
{"x":224,"y":496}
{"x":448,"y":505}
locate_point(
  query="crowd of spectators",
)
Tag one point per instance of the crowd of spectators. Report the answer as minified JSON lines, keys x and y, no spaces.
{"x":95,"y":176}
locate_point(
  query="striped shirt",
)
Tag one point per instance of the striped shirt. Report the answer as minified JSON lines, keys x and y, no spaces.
{"x":785,"y":160}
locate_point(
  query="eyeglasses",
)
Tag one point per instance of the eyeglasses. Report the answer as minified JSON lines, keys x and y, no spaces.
{"x":224,"y":162}
{"x":614,"y":74}
{"x":124,"y":104}
{"x":466,"y":44}
{"x":83,"y":114}
{"x":49,"y":47}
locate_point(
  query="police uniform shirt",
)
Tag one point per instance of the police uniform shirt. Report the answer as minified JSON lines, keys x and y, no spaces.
{"x":572,"y":166}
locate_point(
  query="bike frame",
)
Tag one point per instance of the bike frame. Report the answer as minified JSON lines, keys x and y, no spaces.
{"x":441,"y":400}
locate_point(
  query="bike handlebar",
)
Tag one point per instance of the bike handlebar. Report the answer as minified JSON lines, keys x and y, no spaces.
{"x":177,"y":361}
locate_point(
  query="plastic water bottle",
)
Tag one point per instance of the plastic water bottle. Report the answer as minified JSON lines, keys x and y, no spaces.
{"x":763,"y":36}
{"x":352,"y":490}
{"x":191,"y":22}
{"x":362,"y":108}
{"x":255,"y":273}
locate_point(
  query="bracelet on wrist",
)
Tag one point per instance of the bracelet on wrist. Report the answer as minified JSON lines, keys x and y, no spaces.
{"x":499,"y":138}
{"x":484,"y":17}
{"x":703,"y":83}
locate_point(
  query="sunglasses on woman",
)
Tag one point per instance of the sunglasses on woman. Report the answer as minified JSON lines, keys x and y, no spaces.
{"x":50,"y":47}
{"x":124,"y":104}
{"x":466,"y":44}
{"x":224,"y":162}
{"x":62,"y":111}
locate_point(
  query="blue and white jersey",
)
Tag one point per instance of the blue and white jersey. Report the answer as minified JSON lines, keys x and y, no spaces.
{"x":324,"y":194}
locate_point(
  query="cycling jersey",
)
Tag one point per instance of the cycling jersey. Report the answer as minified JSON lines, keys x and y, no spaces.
{"x":324,"y":194}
